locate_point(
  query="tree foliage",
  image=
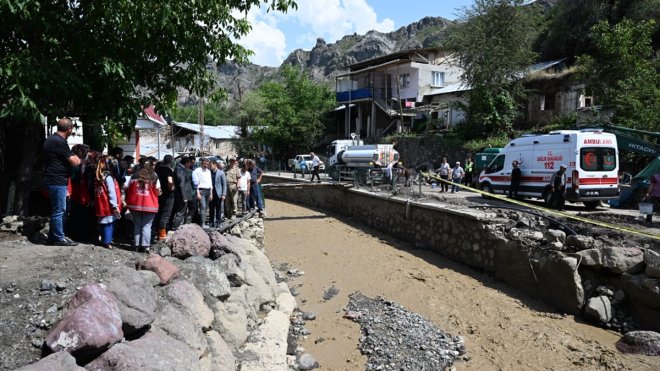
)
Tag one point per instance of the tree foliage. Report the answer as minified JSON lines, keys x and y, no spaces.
{"x":623,"y":72}
{"x":104,"y":59}
{"x":493,"y":46}
{"x":215,"y":113}
{"x":291,"y":117}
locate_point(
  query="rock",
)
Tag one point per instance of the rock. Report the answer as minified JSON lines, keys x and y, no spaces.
{"x":294,"y":291}
{"x":264,"y":291}
{"x":619,"y":295}
{"x":190,"y":240}
{"x":136,"y":298}
{"x":557,"y":246}
{"x":617,"y":260}
{"x":286,"y":303}
{"x":309,"y":316}
{"x":330,"y":293}
{"x":604,"y":290}
{"x":187,"y":295}
{"x":307,"y":362}
{"x":642,"y":290}
{"x":231,"y":322}
{"x":220,"y":245}
{"x":526,"y":223}
{"x":165,"y":270}
{"x":207,"y":276}
{"x":165,"y":251}
{"x":47,"y":285}
{"x":640,"y":342}
{"x":266,"y":348}
{"x":560,"y":283}
{"x":580,"y":242}
{"x":652,"y":260}
{"x":91,"y":324}
{"x":149,"y":277}
{"x":599,"y":308}
{"x":229,"y":265}
{"x":154,"y":351}
{"x":223,"y":358}
{"x":60,"y":361}
{"x":60,"y":286}
{"x":248,"y":298}
{"x":178,"y":323}
{"x":555,"y":235}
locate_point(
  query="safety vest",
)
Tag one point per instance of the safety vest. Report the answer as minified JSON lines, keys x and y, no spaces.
{"x":102,"y":198}
{"x":468,"y":167}
{"x":143,"y":199}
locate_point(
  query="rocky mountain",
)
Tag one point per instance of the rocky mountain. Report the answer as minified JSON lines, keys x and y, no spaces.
{"x":324,"y":61}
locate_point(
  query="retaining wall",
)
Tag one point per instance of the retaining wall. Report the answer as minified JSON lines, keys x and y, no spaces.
{"x":479,"y":239}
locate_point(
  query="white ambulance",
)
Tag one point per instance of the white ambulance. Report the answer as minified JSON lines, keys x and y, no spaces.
{"x":591,"y":157}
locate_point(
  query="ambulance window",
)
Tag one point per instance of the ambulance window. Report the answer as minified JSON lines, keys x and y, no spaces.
{"x":597,"y":159}
{"x":496,"y":165}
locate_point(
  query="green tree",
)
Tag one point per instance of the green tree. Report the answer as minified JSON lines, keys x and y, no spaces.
{"x":103,"y":60}
{"x":294,"y":108}
{"x":623,"y":72}
{"x":215,"y":113}
{"x":493,"y":46}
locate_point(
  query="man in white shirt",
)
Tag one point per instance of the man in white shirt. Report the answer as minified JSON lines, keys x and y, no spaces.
{"x":457,"y":175}
{"x":203,"y":183}
{"x":316,"y":162}
{"x":443,"y":171}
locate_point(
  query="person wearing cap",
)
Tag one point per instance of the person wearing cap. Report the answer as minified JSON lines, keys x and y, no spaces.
{"x":233,"y":174}
{"x":558,"y":188}
{"x":457,"y":175}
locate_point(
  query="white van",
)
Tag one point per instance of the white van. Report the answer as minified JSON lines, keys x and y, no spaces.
{"x":591,"y":158}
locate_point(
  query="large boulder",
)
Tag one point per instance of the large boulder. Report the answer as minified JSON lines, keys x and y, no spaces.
{"x":136,"y":298}
{"x":188,"y":296}
{"x":617,"y":260}
{"x":231,"y":322}
{"x":222,"y":357}
{"x":60,"y":361}
{"x":91,"y":324}
{"x":640,"y":342}
{"x":580,"y":242}
{"x":155,"y":351}
{"x":190,"y":240}
{"x":266,"y":349}
{"x":207,"y":276}
{"x":178,"y":323}
{"x":652,"y":261}
{"x":599,"y":308}
{"x":220,"y":245}
{"x":559,"y":282}
{"x":642,"y":289}
{"x":165,"y":270}
{"x":230,"y":265}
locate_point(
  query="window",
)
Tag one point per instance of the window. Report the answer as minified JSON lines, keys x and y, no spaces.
{"x":404,"y":80}
{"x":547,"y":102}
{"x":438,"y":78}
{"x":597,"y":159}
{"x":496,"y":165}
{"x":586,"y":101}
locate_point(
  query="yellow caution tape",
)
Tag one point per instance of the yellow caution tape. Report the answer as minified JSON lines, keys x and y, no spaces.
{"x":548,"y":211}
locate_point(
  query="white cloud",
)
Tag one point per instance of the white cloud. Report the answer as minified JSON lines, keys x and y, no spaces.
{"x":332,"y":19}
{"x":266,"y":40}
{"x":329,"y":19}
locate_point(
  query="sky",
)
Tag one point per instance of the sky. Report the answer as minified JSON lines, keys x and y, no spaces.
{"x":275,"y":35}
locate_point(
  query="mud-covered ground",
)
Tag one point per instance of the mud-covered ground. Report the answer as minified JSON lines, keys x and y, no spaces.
{"x":503,"y":328}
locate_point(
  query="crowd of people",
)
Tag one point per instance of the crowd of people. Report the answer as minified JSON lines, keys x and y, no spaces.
{"x":97,"y":197}
{"x":457,"y":174}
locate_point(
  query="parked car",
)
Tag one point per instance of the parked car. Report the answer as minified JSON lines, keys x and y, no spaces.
{"x":304,"y":162}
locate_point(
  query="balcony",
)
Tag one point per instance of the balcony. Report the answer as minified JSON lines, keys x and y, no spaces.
{"x":357,"y":94}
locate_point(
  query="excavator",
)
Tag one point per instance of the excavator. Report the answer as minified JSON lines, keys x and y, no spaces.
{"x":633,"y":187}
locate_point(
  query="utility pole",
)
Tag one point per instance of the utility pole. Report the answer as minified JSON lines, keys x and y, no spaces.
{"x":200,"y":120}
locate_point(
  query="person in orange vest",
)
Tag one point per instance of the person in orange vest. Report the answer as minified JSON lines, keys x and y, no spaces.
{"x":142,"y":200}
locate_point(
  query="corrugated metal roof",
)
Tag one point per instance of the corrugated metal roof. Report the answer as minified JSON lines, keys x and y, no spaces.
{"x":543,"y":65}
{"x":214,"y":132}
{"x":453,"y":88}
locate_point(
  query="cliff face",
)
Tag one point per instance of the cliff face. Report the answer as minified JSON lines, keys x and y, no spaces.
{"x":324,"y":61}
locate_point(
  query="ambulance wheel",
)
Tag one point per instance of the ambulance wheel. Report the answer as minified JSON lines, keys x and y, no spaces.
{"x":486,"y":188}
{"x":591,"y":205}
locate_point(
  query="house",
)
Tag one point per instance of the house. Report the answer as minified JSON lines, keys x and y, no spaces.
{"x":383,"y":94}
{"x":149,"y":137}
{"x":442,"y":105}
{"x":211,"y":140}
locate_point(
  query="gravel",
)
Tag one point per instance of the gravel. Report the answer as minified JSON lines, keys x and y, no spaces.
{"x":330,"y":293}
{"x":394,"y":338}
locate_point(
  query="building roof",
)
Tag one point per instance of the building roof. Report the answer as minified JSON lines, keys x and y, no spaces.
{"x":150,"y":120}
{"x":404,"y":54}
{"x":214,"y":132}
{"x":453,"y":88}
{"x":537,"y":67}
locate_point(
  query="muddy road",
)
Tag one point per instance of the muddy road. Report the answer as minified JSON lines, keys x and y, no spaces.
{"x":503,"y":328}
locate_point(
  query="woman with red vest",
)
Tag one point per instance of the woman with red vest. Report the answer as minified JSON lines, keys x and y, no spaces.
{"x":107,"y":203}
{"x":142,"y":200}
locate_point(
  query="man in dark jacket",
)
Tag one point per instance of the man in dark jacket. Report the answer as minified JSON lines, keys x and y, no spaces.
{"x":183,"y":191}
{"x":166,"y":199}
{"x":558,"y":188}
{"x":516,"y":175}
{"x":217,"y":206}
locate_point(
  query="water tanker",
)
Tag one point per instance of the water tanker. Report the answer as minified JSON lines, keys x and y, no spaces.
{"x":349,"y":155}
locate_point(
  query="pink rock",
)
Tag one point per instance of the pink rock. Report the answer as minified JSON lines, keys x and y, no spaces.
{"x":190,"y":240}
{"x":165,"y":270}
{"x":91,"y":324}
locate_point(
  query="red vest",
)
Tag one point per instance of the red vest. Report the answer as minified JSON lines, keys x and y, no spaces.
{"x":102,"y":202}
{"x":142,"y":199}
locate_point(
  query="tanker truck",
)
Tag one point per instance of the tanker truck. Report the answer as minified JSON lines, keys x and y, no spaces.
{"x":353,"y":156}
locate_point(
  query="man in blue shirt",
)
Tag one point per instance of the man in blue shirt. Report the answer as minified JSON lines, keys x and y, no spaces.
{"x":255,"y":193}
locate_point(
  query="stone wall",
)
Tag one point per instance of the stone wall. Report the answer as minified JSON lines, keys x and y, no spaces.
{"x":517,"y":248}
